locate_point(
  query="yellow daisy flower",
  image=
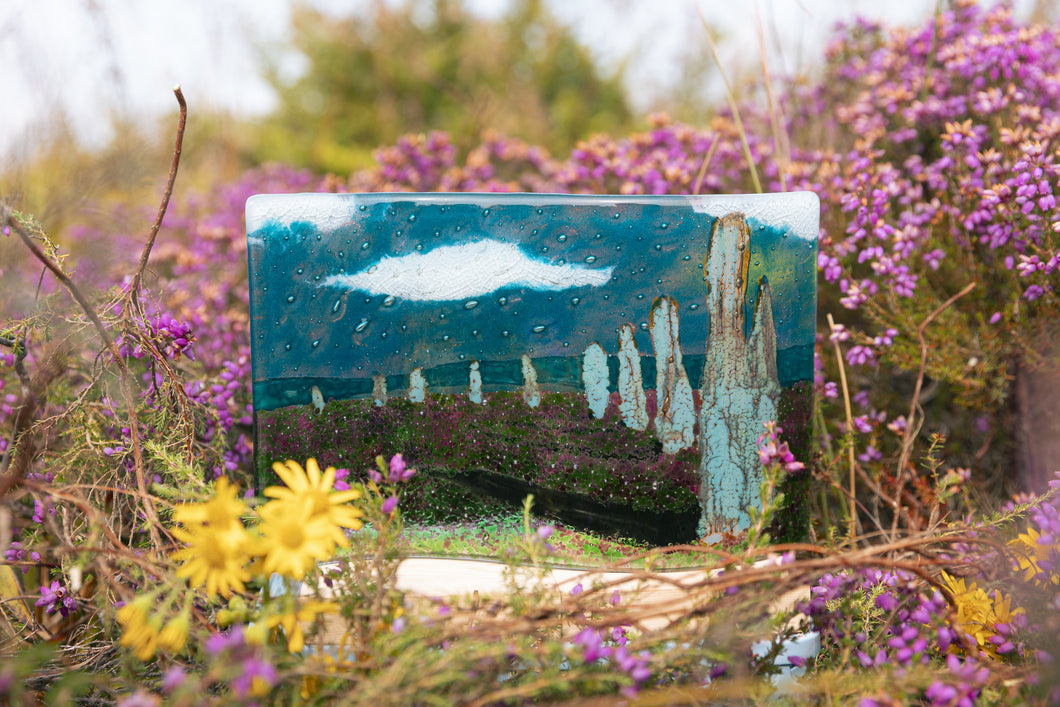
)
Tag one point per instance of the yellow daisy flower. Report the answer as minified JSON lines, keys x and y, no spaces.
{"x":317,"y":487}
{"x":1003,"y":611}
{"x":216,"y":560}
{"x":973,"y":608}
{"x":293,"y":539}
{"x":1031,"y":554}
{"x":291,"y":622}
{"x":221,"y":513}
{"x":977,"y":613}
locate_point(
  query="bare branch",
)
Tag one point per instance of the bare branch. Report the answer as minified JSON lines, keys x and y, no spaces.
{"x":134,"y":288}
{"x":10,"y":479}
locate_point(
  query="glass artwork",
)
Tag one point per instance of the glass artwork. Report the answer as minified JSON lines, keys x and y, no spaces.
{"x":616,"y":357}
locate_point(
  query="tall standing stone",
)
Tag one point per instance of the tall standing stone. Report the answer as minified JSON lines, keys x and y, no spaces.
{"x":595,"y":378}
{"x":675,"y":418}
{"x":632,"y":403}
{"x":740,"y":387}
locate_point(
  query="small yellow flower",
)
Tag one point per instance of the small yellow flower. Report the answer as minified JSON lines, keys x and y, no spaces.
{"x":328,"y":663}
{"x":1031,"y":553}
{"x":215,"y":560}
{"x":293,"y":539}
{"x":291,"y":622}
{"x":256,"y":634}
{"x":1003,"y":611}
{"x":142,"y":638}
{"x":978,"y":614}
{"x":139,"y":627}
{"x":174,"y":636}
{"x":309,"y":483}
{"x":135,"y":613}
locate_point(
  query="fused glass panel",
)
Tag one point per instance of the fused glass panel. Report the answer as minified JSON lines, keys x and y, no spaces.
{"x":616,"y":357}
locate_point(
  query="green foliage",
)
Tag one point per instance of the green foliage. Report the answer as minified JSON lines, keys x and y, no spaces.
{"x":432,"y":65}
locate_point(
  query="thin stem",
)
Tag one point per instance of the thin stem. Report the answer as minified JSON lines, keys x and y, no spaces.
{"x":852,"y":520}
{"x":780,"y":155}
{"x":703,"y":167}
{"x":732,"y":105}
{"x":908,"y":436}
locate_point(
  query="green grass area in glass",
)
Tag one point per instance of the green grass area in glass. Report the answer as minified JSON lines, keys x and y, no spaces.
{"x":494,"y":537}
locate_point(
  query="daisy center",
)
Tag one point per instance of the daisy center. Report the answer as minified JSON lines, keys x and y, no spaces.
{"x":291,"y":534}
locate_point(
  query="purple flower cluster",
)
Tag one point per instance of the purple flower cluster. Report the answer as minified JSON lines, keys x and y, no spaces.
{"x":397,"y":472}
{"x":429,"y":163}
{"x":55,"y":597}
{"x":17,"y":553}
{"x":599,"y":646}
{"x":7,"y":400}
{"x":42,"y":509}
{"x":892,"y":623}
{"x":771,"y":451}
{"x":947,"y":162}
{"x":252,"y":670}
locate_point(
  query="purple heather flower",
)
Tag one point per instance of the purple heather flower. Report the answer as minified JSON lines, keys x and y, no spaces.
{"x":592,"y":645}
{"x":862,"y":424}
{"x":56,"y":598}
{"x":389,"y":505}
{"x":140,"y":698}
{"x":16,"y":553}
{"x":40,"y":510}
{"x":1033,"y":292}
{"x":870,"y":454}
{"x":633,"y":665}
{"x":220,"y":642}
{"x":174,"y":677}
{"x":251,"y":668}
{"x":398,"y":472}
{"x":860,"y":356}
{"x":886,"y":602}
{"x":545,"y":532}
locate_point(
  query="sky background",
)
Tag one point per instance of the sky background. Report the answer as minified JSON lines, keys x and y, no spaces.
{"x":93,"y":59}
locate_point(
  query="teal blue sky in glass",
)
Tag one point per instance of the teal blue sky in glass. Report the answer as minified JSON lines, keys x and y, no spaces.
{"x":348,"y":286}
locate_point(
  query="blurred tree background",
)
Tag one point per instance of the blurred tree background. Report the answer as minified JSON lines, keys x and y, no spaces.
{"x":432,"y":65}
{"x":401,"y":66}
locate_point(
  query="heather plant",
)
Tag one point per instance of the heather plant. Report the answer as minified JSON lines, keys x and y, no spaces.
{"x":939,"y":225}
